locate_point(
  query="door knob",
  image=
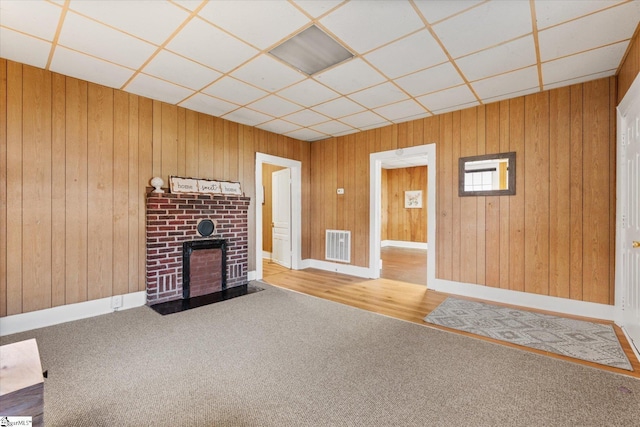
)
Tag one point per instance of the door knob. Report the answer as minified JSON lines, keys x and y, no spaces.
{"x":636,"y":244}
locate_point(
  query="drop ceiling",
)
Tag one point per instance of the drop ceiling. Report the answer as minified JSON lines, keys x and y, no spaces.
{"x":413,"y":58}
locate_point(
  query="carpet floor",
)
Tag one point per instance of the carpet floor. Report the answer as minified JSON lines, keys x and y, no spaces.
{"x":280,"y":358}
{"x":593,"y":342}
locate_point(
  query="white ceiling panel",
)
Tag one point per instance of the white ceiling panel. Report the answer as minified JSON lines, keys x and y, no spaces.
{"x":247,"y":117}
{"x":367,"y":24}
{"x":449,"y":98}
{"x":279,"y":126}
{"x":98,"y":40}
{"x":377,"y":96}
{"x":210,"y":46}
{"x":260,"y":23}
{"x":268,"y":74}
{"x":39,"y":19}
{"x":484,"y":26}
{"x":400,"y":110}
{"x":162,"y":90}
{"x":430,"y":80}
{"x":413,"y":57}
{"x":232,"y":89}
{"x":152,"y":21}
{"x":208,"y":105}
{"x":350,"y":76}
{"x":550,"y":13}
{"x":521,"y":80}
{"x":306,"y":118}
{"x":174,"y":68}
{"x":363,"y":120}
{"x":593,"y":62}
{"x":316,"y":8}
{"x":413,"y":53}
{"x":436,"y":10}
{"x":338,"y":108}
{"x":84,"y":67}
{"x":308,"y":93}
{"x":506,"y":57}
{"x":275,"y":106}
{"x":20,"y":48}
{"x":610,"y":26}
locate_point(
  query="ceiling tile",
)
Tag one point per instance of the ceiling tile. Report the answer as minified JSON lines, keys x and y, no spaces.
{"x":268,"y":74}
{"x":350,"y":76}
{"x":364,"y":120}
{"x":576,"y":80}
{"x":610,"y":26}
{"x":260,"y":23}
{"x":510,"y":56}
{"x":87,"y":36}
{"x":39,"y":19}
{"x":460,"y":95}
{"x":208,"y":105}
{"x":592,"y":62}
{"x":430,"y":80}
{"x":377,"y":96}
{"x":504,"y":84}
{"x":550,"y":13}
{"x":153,"y":21}
{"x":154,"y":88}
{"x":279,"y":126}
{"x":306,"y":118}
{"x":306,"y":135}
{"x":338,"y":108}
{"x":25,"y":49}
{"x":308,"y":93}
{"x":484,"y":26}
{"x":235,"y":90}
{"x":413,"y":53}
{"x":208,"y":45}
{"x":333,"y":128}
{"x":174,"y":68}
{"x":365,"y":25}
{"x":188,"y":4}
{"x":274,"y":105}
{"x":509,"y":95}
{"x":84,"y":67}
{"x":436,"y":10}
{"x":400,"y":110}
{"x":247,"y":117}
{"x":316,"y":8}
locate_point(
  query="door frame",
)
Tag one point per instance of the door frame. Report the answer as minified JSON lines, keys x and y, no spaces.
{"x":633,"y":94}
{"x":375,"y":204}
{"x":296,"y":208}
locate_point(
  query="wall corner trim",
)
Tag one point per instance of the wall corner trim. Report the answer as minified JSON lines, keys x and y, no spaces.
{"x":67,"y":313}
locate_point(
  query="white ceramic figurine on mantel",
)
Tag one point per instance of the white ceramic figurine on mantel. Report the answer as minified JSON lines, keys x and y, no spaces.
{"x":157,"y":183}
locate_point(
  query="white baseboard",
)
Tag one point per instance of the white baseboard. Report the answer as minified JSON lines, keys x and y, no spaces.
{"x":525,"y":299}
{"x":251,"y":275}
{"x":67,"y":313}
{"x":351,"y":270}
{"x":266,"y":254}
{"x":403,"y":244}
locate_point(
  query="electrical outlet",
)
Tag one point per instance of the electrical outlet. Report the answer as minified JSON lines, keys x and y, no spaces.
{"x":116,"y":302}
{"x":340,"y":191}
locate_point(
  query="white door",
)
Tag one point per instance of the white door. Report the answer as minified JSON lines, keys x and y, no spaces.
{"x":281,"y":227}
{"x":628,"y":224}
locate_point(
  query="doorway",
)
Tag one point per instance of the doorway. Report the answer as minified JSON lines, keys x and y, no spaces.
{"x":419,"y":155}
{"x":294,"y":169}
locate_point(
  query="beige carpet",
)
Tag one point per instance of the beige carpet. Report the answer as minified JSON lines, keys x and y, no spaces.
{"x":279,"y":358}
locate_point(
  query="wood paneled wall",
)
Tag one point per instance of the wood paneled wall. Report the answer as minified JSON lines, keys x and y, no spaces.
{"x":267,"y":207}
{"x":554,"y":237}
{"x":398,"y":222}
{"x":76,"y":159}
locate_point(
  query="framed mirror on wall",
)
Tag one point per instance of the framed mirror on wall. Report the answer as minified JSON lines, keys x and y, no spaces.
{"x":487,"y":175}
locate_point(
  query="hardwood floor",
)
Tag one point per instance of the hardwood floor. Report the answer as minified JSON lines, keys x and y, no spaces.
{"x":401,"y":300}
{"x":404,"y":265}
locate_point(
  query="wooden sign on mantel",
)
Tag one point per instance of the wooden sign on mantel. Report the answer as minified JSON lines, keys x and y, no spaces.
{"x":203,"y":186}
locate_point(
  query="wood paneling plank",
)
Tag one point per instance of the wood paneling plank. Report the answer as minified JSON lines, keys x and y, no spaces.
{"x":3,"y":187}
{"x":120,"y":193}
{"x":134,"y":199}
{"x":58,"y":188}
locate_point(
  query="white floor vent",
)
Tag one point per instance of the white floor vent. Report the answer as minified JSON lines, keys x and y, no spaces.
{"x":338,"y":246}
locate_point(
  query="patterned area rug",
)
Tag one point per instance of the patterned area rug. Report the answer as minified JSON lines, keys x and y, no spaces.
{"x":589,"y":341}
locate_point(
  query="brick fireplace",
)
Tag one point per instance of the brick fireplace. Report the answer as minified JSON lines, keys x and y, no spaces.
{"x":172,"y":221}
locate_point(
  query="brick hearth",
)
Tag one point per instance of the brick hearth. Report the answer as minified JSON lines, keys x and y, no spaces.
{"x":172,"y":219}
